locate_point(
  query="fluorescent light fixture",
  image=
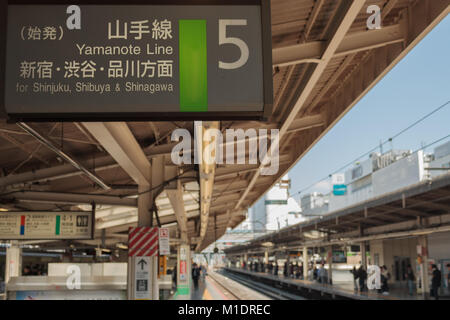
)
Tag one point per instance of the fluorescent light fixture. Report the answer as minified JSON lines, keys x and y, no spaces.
{"x":121,"y":246}
{"x":56,"y":250}
{"x":173,"y":224}
{"x":267,"y":244}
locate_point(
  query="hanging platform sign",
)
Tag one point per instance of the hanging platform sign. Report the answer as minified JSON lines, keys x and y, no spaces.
{"x":46,"y":225}
{"x":150,"y":60}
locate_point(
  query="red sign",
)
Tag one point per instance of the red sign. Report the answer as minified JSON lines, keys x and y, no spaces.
{"x":183,"y":270}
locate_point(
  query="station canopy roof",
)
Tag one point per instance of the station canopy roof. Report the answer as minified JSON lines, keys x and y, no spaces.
{"x":324,"y":61}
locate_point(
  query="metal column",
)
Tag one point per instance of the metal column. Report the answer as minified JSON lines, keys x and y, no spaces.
{"x":266,"y":259}
{"x":363,"y":255}
{"x":183,"y":272}
{"x":13,"y":261}
{"x":305,"y":263}
{"x":330,"y":264}
{"x":425,"y":279}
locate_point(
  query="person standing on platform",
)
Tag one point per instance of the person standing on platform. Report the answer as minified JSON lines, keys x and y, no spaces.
{"x":362,"y":276}
{"x":435,"y":282}
{"x":275,"y":272}
{"x":385,"y":276}
{"x":315,"y":273}
{"x":448,"y":277}
{"x":322,"y":274}
{"x":195,"y":275}
{"x":411,"y":278}
{"x":355,"y":278}
{"x":309,"y":275}
{"x":174,"y":276}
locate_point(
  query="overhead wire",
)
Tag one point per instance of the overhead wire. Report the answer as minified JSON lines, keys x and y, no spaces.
{"x":401,"y":132}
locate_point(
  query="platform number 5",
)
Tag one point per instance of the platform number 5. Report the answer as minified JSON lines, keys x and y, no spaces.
{"x":223,"y":39}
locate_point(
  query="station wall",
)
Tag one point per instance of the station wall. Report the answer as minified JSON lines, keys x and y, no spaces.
{"x":439,"y":246}
{"x":400,"y":174}
{"x":395,"y":255}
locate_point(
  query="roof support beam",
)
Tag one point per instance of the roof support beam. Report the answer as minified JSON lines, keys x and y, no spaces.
{"x":207,"y":168}
{"x":347,"y":13}
{"x":176,"y":199}
{"x":68,"y":198}
{"x":24,"y":148}
{"x":311,"y":52}
{"x":308,"y":122}
{"x":121,"y":144}
{"x":66,"y":171}
{"x":47,"y":143}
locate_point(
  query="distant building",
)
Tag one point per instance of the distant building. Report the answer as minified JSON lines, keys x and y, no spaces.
{"x":276,"y":210}
{"x":314,"y":204}
{"x":377,"y":176}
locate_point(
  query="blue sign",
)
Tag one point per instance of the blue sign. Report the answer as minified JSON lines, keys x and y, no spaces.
{"x":339,"y":189}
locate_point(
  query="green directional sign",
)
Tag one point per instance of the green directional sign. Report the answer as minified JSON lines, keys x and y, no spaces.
{"x":202,"y":60}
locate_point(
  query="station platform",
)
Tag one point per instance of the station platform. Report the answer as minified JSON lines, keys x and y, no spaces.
{"x":210,"y":289}
{"x":215,"y":286}
{"x":314,"y":290}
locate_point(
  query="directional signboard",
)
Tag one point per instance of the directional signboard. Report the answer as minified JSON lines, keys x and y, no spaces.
{"x":46,"y":225}
{"x":142,"y":278}
{"x":153,"y":60}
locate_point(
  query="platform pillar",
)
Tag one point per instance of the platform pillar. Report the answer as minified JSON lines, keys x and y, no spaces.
{"x":13,"y":262}
{"x":363,"y":251}
{"x":184,"y":282}
{"x":149,"y":290}
{"x":330,"y":264}
{"x":424,"y":277}
{"x":266,"y":259}
{"x":305,"y":263}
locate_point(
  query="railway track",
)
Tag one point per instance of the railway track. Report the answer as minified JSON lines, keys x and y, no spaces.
{"x":226,"y":290}
{"x":271,"y":292}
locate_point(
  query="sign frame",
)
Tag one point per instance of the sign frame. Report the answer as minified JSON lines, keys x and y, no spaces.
{"x":147,"y":116}
{"x":92,"y":229}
